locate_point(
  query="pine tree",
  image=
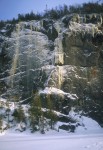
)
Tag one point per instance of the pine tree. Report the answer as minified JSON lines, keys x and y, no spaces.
{"x":1,"y":123}
{"x":35,"y":113}
{"x":8,"y":111}
{"x":21,"y":115}
{"x":50,"y":112}
{"x":42,"y":124}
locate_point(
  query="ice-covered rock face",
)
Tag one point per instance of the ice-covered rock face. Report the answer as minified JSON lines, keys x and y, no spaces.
{"x":30,"y":44}
{"x":66,"y":54}
{"x":28,"y":51}
{"x":84,"y":18}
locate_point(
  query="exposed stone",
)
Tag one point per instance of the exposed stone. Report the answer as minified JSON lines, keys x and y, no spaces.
{"x":65,"y":54}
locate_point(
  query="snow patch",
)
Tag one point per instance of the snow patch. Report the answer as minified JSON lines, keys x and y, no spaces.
{"x":50,"y":90}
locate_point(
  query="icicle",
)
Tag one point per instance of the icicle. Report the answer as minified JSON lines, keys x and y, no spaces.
{"x":41,"y":22}
{"x":59,"y":55}
{"x":60,"y":76}
{"x":58,"y":28}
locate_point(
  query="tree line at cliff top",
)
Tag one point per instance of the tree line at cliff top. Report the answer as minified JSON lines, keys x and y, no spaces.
{"x":58,"y":12}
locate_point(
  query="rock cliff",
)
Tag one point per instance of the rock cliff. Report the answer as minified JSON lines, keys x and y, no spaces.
{"x":63,"y":58}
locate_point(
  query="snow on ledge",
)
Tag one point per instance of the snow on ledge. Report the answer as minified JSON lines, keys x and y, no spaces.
{"x":50,"y":90}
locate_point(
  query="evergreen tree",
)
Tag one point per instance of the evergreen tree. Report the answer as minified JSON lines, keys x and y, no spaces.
{"x":50,"y":112}
{"x":35,"y":113}
{"x":8,"y":111}
{"x":2,"y":24}
{"x":19,"y":114}
{"x":21,"y":117}
{"x":1,"y":123}
{"x":42,"y":124}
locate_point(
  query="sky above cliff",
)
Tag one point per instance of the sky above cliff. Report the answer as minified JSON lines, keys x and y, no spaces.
{"x":11,"y":8}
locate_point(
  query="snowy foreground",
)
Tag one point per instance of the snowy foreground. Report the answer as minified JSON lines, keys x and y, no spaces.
{"x":88,"y":136}
{"x":52,"y":140}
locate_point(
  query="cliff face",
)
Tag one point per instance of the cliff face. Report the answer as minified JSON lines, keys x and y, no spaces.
{"x":65,"y":55}
{"x":83,"y":50}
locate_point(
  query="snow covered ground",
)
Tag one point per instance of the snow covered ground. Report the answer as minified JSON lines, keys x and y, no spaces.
{"x":88,"y":136}
{"x":87,"y":139}
{"x":51,"y":142}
